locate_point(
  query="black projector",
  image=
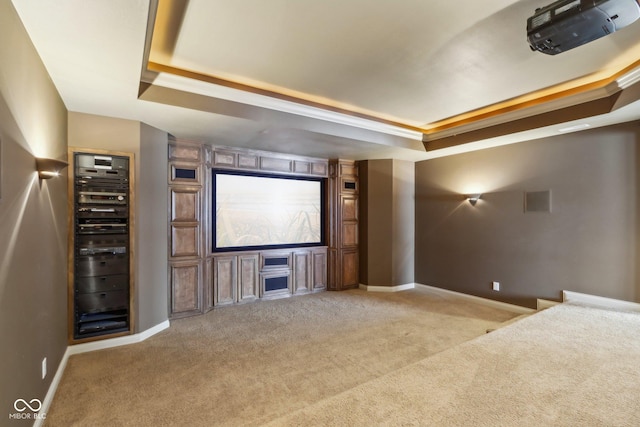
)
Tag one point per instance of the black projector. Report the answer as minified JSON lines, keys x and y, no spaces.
{"x":566,"y":24}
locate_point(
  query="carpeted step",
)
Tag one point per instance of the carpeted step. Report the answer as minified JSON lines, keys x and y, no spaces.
{"x":510,"y":321}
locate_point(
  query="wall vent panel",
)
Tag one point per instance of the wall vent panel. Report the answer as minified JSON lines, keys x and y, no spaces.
{"x":537,"y":201}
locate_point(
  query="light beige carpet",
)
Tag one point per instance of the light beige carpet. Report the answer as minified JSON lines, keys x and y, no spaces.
{"x":256,"y":363}
{"x":565,"y":366}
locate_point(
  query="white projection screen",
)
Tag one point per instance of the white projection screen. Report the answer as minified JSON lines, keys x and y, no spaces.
{"x":266,"y":211}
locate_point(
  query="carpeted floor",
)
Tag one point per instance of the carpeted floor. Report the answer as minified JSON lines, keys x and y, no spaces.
{"x":566,"y":366}
{"x":309,"y":360}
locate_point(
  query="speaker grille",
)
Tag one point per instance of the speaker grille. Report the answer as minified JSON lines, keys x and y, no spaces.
{"x":537,"y":201}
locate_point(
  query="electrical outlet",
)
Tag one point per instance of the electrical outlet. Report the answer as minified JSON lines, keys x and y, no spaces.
{"x":44,"y":368}
{"x":496,"y":286}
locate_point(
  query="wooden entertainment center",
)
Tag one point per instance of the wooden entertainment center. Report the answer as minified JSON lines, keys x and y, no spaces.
{"x":200,"y":279}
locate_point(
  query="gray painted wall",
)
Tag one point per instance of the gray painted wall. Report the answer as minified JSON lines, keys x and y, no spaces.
{"x":376,"y":187}
{"x":403,"y":222}
{"x":387,"y":218}
{"x":152,"y":227}
{"x":149,"y":146}
{"x":33,"y":221}
{"x":588,"y":243}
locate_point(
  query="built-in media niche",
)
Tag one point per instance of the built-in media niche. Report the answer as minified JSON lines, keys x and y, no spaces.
{"x":246,"y":225}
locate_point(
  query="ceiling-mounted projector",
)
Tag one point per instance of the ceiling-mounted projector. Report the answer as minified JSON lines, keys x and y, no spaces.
{"x":566,"y":24}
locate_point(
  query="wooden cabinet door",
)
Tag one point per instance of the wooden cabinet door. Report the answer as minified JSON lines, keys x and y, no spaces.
{"x":248,"y":278}
{"x":319,"y":271}
{"x":225,"y":279}
{"x":301,"y":272}
{"x":185,"y":293}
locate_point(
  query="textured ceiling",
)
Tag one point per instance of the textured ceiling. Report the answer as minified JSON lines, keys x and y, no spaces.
{"x":331,"y":78}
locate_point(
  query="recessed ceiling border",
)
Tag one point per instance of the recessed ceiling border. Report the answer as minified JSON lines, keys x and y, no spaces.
{"x":167,"y":69}
{"x":539,"y":108}
{"x":589,"y":90}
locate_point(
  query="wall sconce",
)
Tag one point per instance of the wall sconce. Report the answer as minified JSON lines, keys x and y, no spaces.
{"x":473,"y":198}
{"x":48,"y":168}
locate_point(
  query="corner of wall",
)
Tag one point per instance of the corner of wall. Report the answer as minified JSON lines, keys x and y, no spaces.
{"x":153,"y":240}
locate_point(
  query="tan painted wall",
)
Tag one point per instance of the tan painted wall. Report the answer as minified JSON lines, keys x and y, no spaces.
{"x":588,"y":243}
{"x":386,"y":222}
{"x":33,"y":221}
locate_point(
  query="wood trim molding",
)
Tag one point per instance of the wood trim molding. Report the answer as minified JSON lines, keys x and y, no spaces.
{"x":588,"y":89}
{"x":574,"y":112}
{"x":298,"y":98}
{"x":589,"y":100}
{"x":268,"y":162}
{"x":70,"y":243}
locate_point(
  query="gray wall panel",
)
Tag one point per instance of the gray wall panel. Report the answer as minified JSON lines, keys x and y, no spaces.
{"x":587,"y":243}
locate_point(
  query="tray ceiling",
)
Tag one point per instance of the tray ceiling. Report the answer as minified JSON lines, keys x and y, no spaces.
{"x":355,"y":79}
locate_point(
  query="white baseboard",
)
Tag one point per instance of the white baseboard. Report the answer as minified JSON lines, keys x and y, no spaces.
{"x":52,"y":389}
{"x":117,"y":342}
{"x":396,"y":288}
{"x":569,"y":296}
{"x":485,"y":301}
{"x":92,"y":346}
{"x":479,"y":300}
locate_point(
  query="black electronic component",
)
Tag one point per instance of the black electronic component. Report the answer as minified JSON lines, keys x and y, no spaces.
{"x":566,"y":24}
{"x":101,"y":239}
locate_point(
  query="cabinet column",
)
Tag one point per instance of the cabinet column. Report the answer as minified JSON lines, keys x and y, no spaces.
{"x":186,"y":268}
{"x":343,"y":225}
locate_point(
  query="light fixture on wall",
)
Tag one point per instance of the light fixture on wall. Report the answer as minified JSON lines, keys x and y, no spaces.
{"x":473,"y":198}
{"x":48,"y":168}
